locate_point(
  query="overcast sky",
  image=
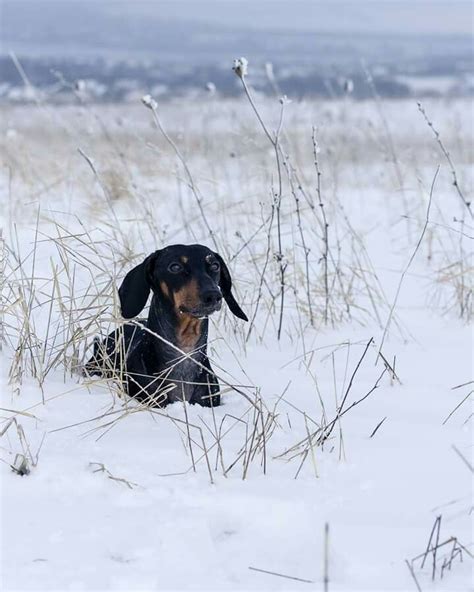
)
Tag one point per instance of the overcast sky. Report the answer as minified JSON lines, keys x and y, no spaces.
{"x":410,"y":16}
{"x":358,"y":16}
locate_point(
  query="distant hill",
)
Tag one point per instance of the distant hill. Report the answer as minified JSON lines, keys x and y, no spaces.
{"x":118,"y":54}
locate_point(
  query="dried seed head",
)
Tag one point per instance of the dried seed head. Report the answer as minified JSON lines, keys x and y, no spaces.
{"x":149,"y":102}
{"x":80,"y":85}
{"x":349,"y":86}
{"x":240,"y":67}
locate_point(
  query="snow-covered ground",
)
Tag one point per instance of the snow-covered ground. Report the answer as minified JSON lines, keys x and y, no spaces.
{"x":124,"y":498}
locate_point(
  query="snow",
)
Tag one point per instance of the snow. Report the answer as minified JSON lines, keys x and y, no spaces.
{"x":148,"y":521}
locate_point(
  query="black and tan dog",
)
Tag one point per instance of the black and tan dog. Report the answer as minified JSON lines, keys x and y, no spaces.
{"x":188,"y":283}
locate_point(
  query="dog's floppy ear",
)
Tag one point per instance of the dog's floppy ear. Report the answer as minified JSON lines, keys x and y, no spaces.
{"x":135,"y":288}
{"x":225,"y":283}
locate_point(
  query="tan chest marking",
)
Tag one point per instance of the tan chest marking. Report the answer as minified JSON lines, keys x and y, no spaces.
{"x":188,"y":332}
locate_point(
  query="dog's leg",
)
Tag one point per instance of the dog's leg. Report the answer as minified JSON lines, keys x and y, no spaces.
{"x":109,"y":354}
{"x":207,"y":393}
{"x":102,"y":362}
{"x":142,"y":386}
{"x":146,"y":389}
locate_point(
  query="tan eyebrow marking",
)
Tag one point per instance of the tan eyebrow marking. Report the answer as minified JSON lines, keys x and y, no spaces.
{"x":184,"y":259}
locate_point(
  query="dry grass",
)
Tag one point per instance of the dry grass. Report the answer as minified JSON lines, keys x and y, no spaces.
{"x":89,"y":190}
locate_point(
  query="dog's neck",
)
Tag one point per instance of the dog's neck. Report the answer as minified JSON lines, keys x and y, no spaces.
{"x":183,"y":331}
{"x":179,"y":333}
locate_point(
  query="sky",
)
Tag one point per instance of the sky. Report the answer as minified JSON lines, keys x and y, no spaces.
{"x":356,"y":16}
{"x":384,"y":16}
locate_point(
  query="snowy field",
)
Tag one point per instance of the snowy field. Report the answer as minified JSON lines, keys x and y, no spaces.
{"x":341,"y":456}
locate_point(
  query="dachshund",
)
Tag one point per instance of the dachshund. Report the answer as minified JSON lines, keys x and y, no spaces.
{"x":163,"y":359}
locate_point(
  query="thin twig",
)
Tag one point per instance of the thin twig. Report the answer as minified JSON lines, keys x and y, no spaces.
{"x":458,"y":405}
{"x":410,"y":568}
{"x":273,"y":573}
{"x":410,"y":261}
{"x":463,"y":458}
{"x":448,"y":158}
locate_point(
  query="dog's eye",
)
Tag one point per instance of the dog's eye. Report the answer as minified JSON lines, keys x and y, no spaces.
{"x":214,"y":266}
{"x":175,"y":267}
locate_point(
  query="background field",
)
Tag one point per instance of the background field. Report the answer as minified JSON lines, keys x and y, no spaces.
{"x":338,"y":399}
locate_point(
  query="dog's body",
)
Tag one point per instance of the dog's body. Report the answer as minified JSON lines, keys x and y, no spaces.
{"x":163,"y":359}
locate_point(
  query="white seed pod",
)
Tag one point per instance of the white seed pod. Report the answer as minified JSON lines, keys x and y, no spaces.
{"x":80,"y":85}
{"x":149,"y":102}
{"x":240,"y":67}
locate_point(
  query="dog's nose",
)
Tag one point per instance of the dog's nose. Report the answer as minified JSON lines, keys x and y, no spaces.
{"x":211,"y":297}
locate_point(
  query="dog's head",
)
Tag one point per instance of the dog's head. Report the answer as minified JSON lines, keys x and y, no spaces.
{"x":192,"y":279}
